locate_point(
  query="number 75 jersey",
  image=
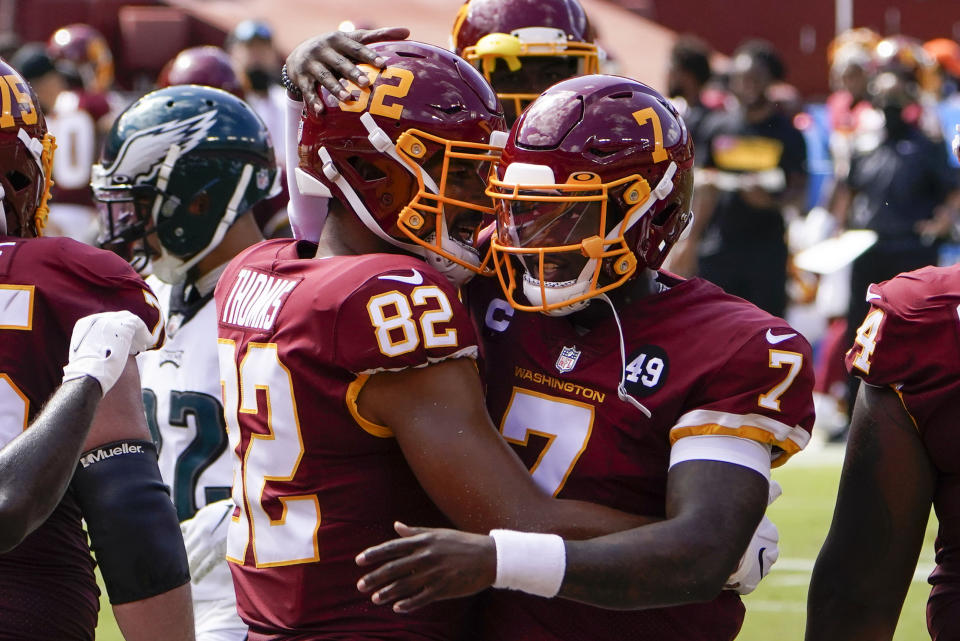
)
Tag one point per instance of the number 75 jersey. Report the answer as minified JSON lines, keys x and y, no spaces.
{"x":314,"y":482}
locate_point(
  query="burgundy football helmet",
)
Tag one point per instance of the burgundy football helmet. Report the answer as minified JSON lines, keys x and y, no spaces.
{"x":540,"y":42}
{"x":86,"y":51}
{"x":594,"y":183}
{"x":409,"y":154}
{"x":906,"y":57}
{"x":26,"y":157}
{"x":208,"y":66}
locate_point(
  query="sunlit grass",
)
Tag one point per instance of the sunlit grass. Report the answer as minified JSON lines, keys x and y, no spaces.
{"x":777,"y":609}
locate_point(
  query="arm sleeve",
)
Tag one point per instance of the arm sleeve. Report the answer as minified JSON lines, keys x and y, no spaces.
{"x":763,"y":393}
{"x":387,"y":324}
{"x":307,"y":213}
{"x":728,"y":449}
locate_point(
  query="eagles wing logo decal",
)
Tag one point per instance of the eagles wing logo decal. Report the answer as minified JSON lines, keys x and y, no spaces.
{"x":140,"y":156}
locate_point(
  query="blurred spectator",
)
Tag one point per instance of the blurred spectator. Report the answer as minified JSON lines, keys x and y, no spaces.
{"x":903,"y":189}
{"x":37,"y":68}
{"x":906,"y":58}
{"x":753,"y":160}
{"x":208,"y":66}
{"x":83,"y":51}
{"x":10,"y":43}
{"x":688,"y":74}
{"x":257,"y":63}
{"x":80,"y":116}
{"x":250,"y":46}
{"x":946,"y":53}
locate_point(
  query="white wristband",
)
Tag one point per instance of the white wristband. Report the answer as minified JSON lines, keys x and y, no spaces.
{"x":530,"y":562}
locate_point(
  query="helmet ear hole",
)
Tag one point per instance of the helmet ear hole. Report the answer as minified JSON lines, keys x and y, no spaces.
{"x":18,"y":180}
{"x":199,"y":204}
{"x":368,"y":171}
{"x":661,"y":217}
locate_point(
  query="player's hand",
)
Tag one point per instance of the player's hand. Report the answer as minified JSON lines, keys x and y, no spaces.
{"x":101,"y":344}
{"x":205,"y":537}
{"x":427,"y":565}
{"x":762,"y":552}
{"x":327,"y":58}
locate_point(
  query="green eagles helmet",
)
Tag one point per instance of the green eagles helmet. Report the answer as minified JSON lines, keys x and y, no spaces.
{"x":181,"y":163}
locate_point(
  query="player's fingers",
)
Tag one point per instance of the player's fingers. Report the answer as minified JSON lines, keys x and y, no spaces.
{"x":383,"y":34}
{"x":407,"y":530}
{"x":422,"y":598}
{"x":317,"y":72}
{"x":351,"y":46}
{"x":389,"y":551}
{"x":403,"y":588}
{"x":342,"y":67}
{"x":389,"y":572}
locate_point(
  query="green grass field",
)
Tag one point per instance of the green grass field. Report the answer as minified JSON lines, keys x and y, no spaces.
{"x":777,"y":608}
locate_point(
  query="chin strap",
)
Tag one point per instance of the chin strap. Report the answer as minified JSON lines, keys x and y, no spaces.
{"x":622,"y":392}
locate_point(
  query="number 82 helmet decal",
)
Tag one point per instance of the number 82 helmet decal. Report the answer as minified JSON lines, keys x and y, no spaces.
{"x":409,"y":154}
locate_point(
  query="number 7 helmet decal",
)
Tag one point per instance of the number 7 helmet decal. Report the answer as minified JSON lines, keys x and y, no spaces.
{"x":408,"y":156}
{"x":594,"y":183}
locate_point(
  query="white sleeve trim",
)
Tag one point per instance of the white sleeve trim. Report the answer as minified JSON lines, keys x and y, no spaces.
{"x":780,"y":431}
{"x":729,"y":449}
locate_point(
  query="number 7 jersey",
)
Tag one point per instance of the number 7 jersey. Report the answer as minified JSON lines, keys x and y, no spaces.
{"x":314,"y":482}
{"x":701,"y":361}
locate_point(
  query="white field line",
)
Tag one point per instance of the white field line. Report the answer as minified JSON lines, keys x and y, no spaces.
{"x":818,"y":454}
{"x":805,"y":566}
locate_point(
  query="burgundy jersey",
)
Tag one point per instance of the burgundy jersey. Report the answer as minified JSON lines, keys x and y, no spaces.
{"x":47,"y":589}
{"x":702,"y":361}
{"x":316,"y":482}
{"x":73,"y":121}
{"x":910,"y":340}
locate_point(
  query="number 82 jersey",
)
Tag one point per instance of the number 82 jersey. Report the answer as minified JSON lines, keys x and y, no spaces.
{"x":315,"y":482}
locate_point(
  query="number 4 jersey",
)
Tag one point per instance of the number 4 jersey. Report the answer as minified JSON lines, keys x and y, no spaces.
{"x":701,"y":361}
{"x":316,"y":483}
{"x":910,"y":341}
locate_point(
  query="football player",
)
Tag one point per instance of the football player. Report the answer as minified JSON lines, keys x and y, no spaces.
{"x":47,"y":586}
{"x":524,"y":46}
{"x":36,"y":466}
{"x":180,"y":171}
{"x":901,"y":459}
{"x":349,"y":370}
{"x":630,"y":387}
{"x":79,"y":118}
{"x":208,"y":66}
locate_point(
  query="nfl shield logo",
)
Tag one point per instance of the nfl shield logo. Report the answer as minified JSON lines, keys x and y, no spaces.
{"x":263,"y":179}
{"x":568,"y":359}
